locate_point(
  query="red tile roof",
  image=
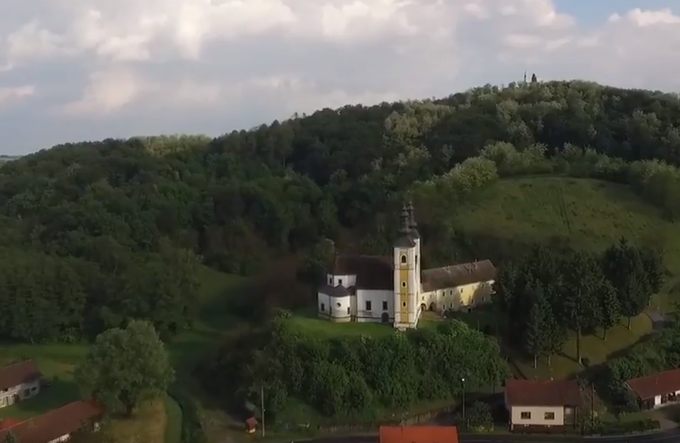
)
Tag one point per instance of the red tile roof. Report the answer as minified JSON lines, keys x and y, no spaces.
{"x":418,"y":434}
{"x":542,"y":393}
{"x":17,"y":373}
{"x":8,"y":423}
{"x":657,"y":384}
{"x":55,"y":423}
{"x":373,"y":272}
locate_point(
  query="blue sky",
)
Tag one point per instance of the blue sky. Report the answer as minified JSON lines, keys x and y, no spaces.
{"x":597,"y":11}
{"x":73,"y":70}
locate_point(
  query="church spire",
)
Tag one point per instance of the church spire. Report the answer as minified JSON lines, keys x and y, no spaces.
{"x":405,"y":220}
{"x":412,"y":220}
{"x":405,"y":239}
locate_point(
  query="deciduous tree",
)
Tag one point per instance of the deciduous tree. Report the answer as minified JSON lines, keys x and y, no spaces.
{"x":125,"y":366}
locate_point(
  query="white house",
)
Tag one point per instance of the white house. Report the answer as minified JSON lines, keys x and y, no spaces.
{"x":395,"y":290}
{"x":657,"y":390}
{"x":19,"y":381}
{"x":542,"y":404}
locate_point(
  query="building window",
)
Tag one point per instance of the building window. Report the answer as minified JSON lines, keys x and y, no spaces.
{"x":339,"y":305}
{"x":384,"y":306}
{"x":525,"y":416}
{"x":403,"y":259}
{"x":340,"y":281}
{"x":403,"y":284}
{"x":330,"y":280}
{"x":403,"y":305}
{"x":416,"y":260}
{"x":549,"y":416}
{"x":368,"y":306}
{"x":323,"y":307}
{"x":347,"y":310}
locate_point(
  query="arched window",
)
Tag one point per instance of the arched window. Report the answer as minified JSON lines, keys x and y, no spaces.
{"x":403,"y":284}
{"x":403,"y":259}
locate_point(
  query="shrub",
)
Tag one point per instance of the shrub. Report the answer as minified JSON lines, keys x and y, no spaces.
{"x":192,"y":430}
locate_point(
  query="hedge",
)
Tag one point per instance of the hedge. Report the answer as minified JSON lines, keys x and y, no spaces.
{"x":628,"y":427}
{"x":192,"y":430}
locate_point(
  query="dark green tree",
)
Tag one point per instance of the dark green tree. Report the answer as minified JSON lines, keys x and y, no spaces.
{"x":623,"y":266}
{"x":535,"y":339}
{"x":582,"y":280}
{"x":609,"y":307}
{"x":125,"y":366}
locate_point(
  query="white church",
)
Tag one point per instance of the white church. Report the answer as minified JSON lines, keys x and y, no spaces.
{"x":395,"y":290}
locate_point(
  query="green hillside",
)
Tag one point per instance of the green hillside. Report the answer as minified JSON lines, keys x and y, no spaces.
{"x":592,"y":214}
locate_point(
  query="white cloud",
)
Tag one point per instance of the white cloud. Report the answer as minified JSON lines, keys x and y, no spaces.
{"x":9,"y":96}
{"x":216,"y":65}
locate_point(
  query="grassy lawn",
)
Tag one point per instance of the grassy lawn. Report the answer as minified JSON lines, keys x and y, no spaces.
{"x":308,"y":323}
{"x":591,"y":213}
{"x":593,"y":347}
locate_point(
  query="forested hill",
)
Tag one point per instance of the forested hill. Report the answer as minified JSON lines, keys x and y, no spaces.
{"x":97,"y":232}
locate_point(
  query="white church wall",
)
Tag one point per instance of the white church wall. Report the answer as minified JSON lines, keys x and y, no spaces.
{"x":334,"y":308}
{"x":344,"y":280}
{"x":379,"y":299}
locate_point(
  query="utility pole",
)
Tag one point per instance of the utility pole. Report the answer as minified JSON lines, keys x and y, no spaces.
{"x":262,"y":410}
{"x":464,"y":418}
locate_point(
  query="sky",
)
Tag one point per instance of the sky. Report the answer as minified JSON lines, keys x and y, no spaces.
{"x":74,"y":70}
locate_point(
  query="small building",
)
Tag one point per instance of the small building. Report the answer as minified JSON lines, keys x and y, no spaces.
{"x":542,"y":405}
{"x":57,"y":425}
{"x":655,"y":391}
{"x":19,"y":381}
{"x":251,"y":425}
{"x":418,"y":434}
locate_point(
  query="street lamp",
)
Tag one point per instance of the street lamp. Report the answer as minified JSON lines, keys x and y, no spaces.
{"x":464,"y":418}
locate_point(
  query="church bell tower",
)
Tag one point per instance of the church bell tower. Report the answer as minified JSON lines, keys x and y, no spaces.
{"x":406,"y":282}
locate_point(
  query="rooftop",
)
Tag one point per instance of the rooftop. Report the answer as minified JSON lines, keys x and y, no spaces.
{"x":17,"y":373}
{"x":542,"y":393}
{"x":658,"y":384}
{"x":418,"y":434}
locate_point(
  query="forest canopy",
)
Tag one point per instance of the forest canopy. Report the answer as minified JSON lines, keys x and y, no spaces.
{"x":95,"y":233}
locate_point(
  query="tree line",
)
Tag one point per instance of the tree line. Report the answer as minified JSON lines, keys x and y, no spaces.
{"x":353,"y":377}
{"x":105,"y":215}
{"x":551,"y":292}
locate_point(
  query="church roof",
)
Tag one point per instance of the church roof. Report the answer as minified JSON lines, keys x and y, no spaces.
{"x":337,"y":291}
{"x":373,"y":272}
{"x":458,"y":275}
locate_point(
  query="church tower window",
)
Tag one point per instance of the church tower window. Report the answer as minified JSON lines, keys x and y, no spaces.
{"x":403,"y":259}
{"x":403,"y":284}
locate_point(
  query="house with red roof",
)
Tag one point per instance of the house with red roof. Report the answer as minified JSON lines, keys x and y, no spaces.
{"x":19,"y":381}
{"x":418,"y":434}
{"x":542,"y":405}
{"x":655,"y":391}
{"x":56,"y":425}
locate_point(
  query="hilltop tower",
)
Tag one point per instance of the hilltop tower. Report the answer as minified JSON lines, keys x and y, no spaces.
{"x":406,"y":262}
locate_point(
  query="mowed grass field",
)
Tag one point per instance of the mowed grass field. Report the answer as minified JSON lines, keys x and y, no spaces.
{"x":157,"y":421}
{"x":592,"y":214}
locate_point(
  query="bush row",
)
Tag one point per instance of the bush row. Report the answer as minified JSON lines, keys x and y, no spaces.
{"x":192,"y":430}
